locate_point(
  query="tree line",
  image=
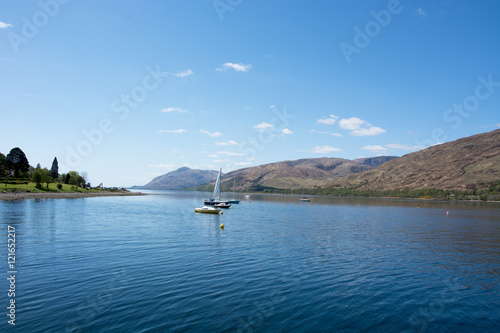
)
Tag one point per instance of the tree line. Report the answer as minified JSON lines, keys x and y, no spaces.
{"x":15,"y":166}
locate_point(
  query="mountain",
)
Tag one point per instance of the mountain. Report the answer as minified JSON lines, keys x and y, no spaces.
{"x":374,"y":161}
{"x":179,"y":179}
{"x":471,"y":163}
{"x":296,"y":174}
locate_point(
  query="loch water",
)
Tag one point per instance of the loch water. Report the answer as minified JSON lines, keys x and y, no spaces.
{"x":150,"y":264}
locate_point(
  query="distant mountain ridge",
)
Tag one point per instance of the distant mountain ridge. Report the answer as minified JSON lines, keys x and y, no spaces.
{"x":466,"y":164}
{"x":286,"y":174}
{"x":179,"y":179}
{"x":302,"y":173}
{"x":471,"y":163}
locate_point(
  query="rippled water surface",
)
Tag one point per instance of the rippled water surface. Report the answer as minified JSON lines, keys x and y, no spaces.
{"x":150,"y":264}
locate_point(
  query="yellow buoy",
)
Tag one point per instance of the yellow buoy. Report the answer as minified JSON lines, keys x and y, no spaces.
{"x":222,"y":226}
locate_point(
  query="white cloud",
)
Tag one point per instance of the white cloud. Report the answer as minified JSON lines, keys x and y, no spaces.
{"x":220,"y":161}
{"x":213,"y":155}
{"x":397,"y":146}
{"x":168,"y":166}
{"x":237,"y":67}
{"x":351,"y":124}
{"x":375,"y":148}
{"x":213,"y":135}
{"x":325,"y":149}
{"x":498,"y":125}
{"x":327,"y":133}
{"x":5,"y":25}
{"x":286,"y":131}
{"x":230,"y":153}
{"x":368,"y":131}
{"x":175,"y":131}
{"x":174,"y":109}
{"x":184,"y":74}
{"x":262,"y":126}
{"x":327,"y":121}
{"x":360,"y":127}
{"x":227,"y":143}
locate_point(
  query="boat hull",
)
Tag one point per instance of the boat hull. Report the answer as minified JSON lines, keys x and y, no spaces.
{"x":215,"y":202}
{"x":207,"y":210}
{"x":222,"y":205}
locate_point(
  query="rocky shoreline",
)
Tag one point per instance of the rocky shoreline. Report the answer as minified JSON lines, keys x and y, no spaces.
{"x":61,"y":195}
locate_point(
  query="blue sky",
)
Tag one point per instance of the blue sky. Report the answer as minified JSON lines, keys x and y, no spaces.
{"x":128,"y":90}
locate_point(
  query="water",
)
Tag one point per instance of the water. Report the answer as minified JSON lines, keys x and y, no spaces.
{"x":150,"y":264}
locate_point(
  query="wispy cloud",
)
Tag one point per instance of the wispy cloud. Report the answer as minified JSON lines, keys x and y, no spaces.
{"x":175,"y":131}
{"x":325,"y":149}
{"x":262,"y":126}
{"x":237,"y":67}
{"x":183,"y":74}
{"x":5,"y":25}
{"x":375,"y":148}
{"x":168,"y":166}
{"x":174,"y":109}
{"x":420,"y":12}
{"x":286,"y":131}
{"x":212,"y":155}
{"x":242,"y":163}
{"x":360,"y":127}
{"x":327,"y":121}
{"x":230,"y":153}
{"x":397,"y":146}
{"x":227,"y":143}
{"x":327,"y":133}
{"x":213,"y":135}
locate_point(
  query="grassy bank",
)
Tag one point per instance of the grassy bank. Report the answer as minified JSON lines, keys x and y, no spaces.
{"x":28,"y":187}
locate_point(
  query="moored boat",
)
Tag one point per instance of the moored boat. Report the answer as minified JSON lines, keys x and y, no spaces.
{"x":215,"y":198}
{"x":222,"y":205}
{"x":207,"y":210}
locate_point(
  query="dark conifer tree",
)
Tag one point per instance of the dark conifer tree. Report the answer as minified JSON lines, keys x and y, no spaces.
{"x":54,"y":171}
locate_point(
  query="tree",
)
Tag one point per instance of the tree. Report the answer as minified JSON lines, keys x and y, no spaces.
{"x":54,"y":171}
{"x":76,"y":179}
{"x":17,"y":161}
{"x":41,"y":176}
{"x":46,"y":177}
{"x":85,"y":178}
{"x":37,"y":178}
{"x":3,"y":165}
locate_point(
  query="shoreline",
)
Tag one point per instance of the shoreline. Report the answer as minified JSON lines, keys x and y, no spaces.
{"x":61,"y":195}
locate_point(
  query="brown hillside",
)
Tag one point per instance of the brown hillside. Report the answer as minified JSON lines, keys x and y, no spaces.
{"x":464,"y":164}
{"x":298,"y":173}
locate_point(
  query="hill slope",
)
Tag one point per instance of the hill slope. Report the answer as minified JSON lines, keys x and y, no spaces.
{"x":179,"y":179}
{"x":303,"y":173}
{"x":471,"y":163}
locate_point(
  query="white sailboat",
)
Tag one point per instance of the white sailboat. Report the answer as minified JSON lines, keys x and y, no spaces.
{"x":215,"y":198}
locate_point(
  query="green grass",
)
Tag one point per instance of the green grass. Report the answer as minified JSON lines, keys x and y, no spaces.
{"x":31,"y":187}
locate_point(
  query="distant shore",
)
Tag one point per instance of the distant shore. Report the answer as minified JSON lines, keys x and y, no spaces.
{"x":61,"y":195}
